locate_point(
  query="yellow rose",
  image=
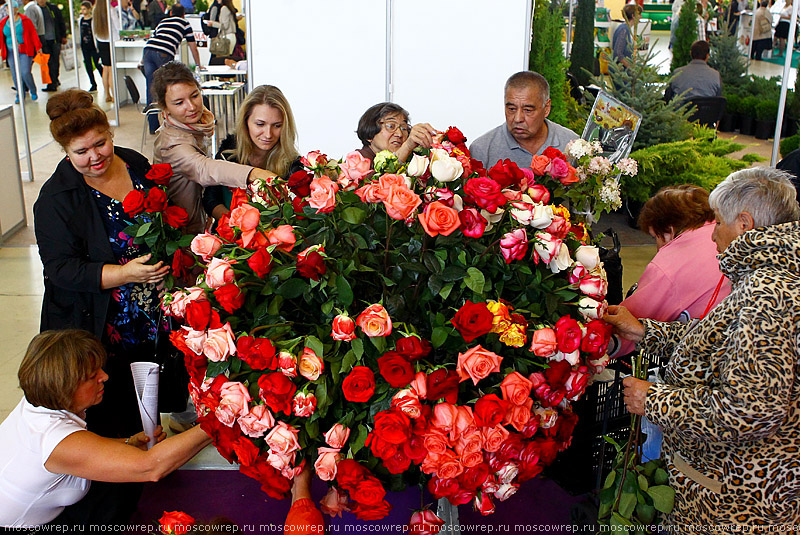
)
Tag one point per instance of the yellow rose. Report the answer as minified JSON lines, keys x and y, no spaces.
{"x":514,"y":335}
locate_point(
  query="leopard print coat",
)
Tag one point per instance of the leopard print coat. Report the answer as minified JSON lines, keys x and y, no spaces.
{"x":730,"y":403}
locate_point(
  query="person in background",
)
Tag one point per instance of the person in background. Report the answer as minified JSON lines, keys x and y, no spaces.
{"x":623,"y":43}
{"x":683,"y":280}
{"x":226,"y":24}
{"x":34,"y":12}
{"x":182,"y":141}
{"x":782,"y":29}
{"x":55,"y":35}
{"x":49,"y":459}
{"x":3,"y":9}
{"x":188,"y":5}
{"x":266,"y":137}
{"x":527,"y":131}
{"x":762,"y":33}
{"x":130,"y":17}
{"x":29,"y":44}
{"x":162,"y":47}
{"x":91,"y":57}
{"x":732,"y":14}
{"x":157,"y":10}
{"x":696,"y":79}
{"x":673,"y":25}
{"x":729,"y":405}
{"x":100,"y":28}
{"x":385,"y":126}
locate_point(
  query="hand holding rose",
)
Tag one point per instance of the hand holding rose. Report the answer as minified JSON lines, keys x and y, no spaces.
{"x":635,"y":394}
{"x":137,"y":270}
{"x":421,"y":135}
{"x":624,"y":323}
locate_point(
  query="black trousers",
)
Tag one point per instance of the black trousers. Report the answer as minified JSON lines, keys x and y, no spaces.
{"x":91,"y":60}
{"x":53,"y":48}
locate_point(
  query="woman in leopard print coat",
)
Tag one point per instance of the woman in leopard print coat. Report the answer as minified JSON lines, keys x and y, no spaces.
{"x":730,"y":403}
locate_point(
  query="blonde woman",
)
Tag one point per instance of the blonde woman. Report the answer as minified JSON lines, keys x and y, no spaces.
{"x":100,"y":29}
{"x":266,"y":138}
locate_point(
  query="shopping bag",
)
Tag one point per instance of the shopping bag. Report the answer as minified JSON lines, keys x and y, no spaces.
{"x":67,"y":58}
{"x":42,"y":60}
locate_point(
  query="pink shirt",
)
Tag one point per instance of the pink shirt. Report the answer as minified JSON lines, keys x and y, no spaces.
{"x":681,"y":277}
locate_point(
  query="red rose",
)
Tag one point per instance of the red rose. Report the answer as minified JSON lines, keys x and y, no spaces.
{"x":175,"y":522}
{"x":359,"y":385}
{"x":473,"y":477}
{"x":397,"y":463}
{"x":245,"y":451}
{"x":260,"y":262}
{"x":368,"y":492}
{"x":392,"y":426}
{"x":455,"y":136}
{"x":258,"y":353}
{"x":198,"y":314}
{"x":477,"y":166}
{"x":133,"y":203}
{"x":175,"y":216}
{"x":473,"y":320}
{"x":548,"y":449}
{"x":311,"y":265}
{"x":229,"y":297}
{"x":181,"y":262}
{"x":415,"y":449}
{"x":552,"y":152}
{"x":473,"y":224}
{"x":371,"y":512}
{"x":349,"y":473}
{"x":178,"y":339}
{"x":506,"y":173}
{"x":343,"y":328}
{"x":490,"y":410}
{"x":300,"y":183}
{"x":443,"y":383}
{"x":224,"y":437}
{"x":484,"y":504}
{"x":379,"y":447}
{"x":442,"y":488}
{"x":395,"y":369}
{"x":298,"y":204}
{"x":160,"y":173}
{"x":485,"y":193}
{"x":595,"y":341}
{"x":277,"y":392}
{"x":413,"y":347}
{"x":273,"y":483}
{"x":156,"y":200}
{"x":424,"y":522}
{"x":224,"y":228}
{"x":462,"y":496}
{"x":568,"y":334}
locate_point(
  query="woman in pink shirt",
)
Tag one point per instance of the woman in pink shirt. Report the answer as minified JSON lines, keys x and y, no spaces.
{"x":683,"y":279}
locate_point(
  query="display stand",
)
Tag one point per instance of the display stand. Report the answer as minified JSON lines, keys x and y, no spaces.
{"x":12,"y":202}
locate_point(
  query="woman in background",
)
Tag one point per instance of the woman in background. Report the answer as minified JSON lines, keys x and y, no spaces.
{"x":104,"y":40}
{"x":385,"y":126}
{"x":91,"y":57}
{"x":29,"y":45}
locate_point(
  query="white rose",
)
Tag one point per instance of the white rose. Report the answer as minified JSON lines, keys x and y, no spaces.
{"x":446,"y":170}
{"x":561,"y":261}
{"x":458,"y":203}
{"x":542,"y":216}
{"x":418,"y":165}
{"x":505,"y":492}
{"x":522,"y":212}
{"x":546,"y":246}
{"x":588,"y":256}
{"x":492,"y":218}
{"x":507,"y":473}
{"x":591,"y":309}
{"x":439,"y":154}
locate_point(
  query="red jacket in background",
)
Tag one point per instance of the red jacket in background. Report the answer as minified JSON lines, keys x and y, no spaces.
{"x":30,"y":40}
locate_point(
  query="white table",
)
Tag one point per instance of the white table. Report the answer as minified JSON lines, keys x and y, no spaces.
{"x":221,"y":70}
{"x":224,"y":104}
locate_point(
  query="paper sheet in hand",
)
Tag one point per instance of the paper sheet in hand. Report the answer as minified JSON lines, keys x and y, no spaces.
{"x":145,"y":380}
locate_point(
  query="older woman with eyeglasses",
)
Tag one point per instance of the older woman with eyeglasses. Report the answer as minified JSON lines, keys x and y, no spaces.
{"x":385,"y":126}
{"x":730,"y":402}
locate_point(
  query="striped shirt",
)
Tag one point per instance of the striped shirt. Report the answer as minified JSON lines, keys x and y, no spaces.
{"x":168,"y":35}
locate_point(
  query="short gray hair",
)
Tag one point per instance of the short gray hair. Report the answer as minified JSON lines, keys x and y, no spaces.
{"x":765,"y":193}
{"x":530,"y":79}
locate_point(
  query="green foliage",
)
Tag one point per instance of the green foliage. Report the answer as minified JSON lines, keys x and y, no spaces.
{"x":547,"y":57}
{"x":577,"y":114}
{"x":748,"y":106}
{"x":200,"y":6}
{"x":582,"y":53}
{"x":728,"y":60}
{"x":641,"y":87}
{"x":789,"y":144}
{"x":701,"y":160}
{"x":766,"y":110}
{"x":734,"y":104}
{"x":685,"y":35}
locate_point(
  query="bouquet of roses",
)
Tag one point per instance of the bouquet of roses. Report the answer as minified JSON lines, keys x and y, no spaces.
{"x":158,"y":224}
{"x":429,"y":321}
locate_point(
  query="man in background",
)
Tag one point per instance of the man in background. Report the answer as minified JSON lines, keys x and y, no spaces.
{"x":696,"y":79}
{"x":55,"y":35}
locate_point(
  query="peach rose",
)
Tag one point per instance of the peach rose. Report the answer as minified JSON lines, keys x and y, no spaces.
{"x":325,"y":467}
{"x":493,"y":437}
{"x":539,"y":164}
{"x":469,"y":443}
{"x":375,"y":321}
{"x":219,"y":273}
{"x":337,"y":436}
{"x":544,"y":343}
{"x":323,"y":195}
{"x":219,"y":343}
{"x":444,"y":416}
{"x":471,"y":458}
{"x":334,"y":502}
{"x":518,"y":415}
{"x":234,"y":398}
{"x":370,"y":193}
{"x":400,"y":202}
{"x":407,"y":402}
{"x":516,"y":388}
{"x":389,"y":180}
{"x":195,"y":340}
{"x":436,"y":442}
{"x":450,"y":465}
{"x":245,"y":216}
{"x":464,"y":422}
{"x":354,"y":167}
{"x":205,"y":245}
{"x":181,"y":298}
{"x":477,"y":363}
{"x":420,"y":385}
{"x":257,"y":422}
{"x":438,"y":218}
{"x":280,"y":461}
{"x":282,"y":439}
{"x":283,"y":237}
{"x":310,"y":365}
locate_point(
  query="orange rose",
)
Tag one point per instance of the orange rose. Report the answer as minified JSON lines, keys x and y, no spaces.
{"x":518,"y":415}
{"x":544,"y":343}
{"x":400,"y":202}
{"x":436,"y":442}
{"x":449,"y":465}
{"x":375,"y":321}
{"x":493,"y":437}
{"x":444,"y":415}
{"x":438,"y":218}
{"x":371,"y":192}
{"x":502,"y":317}
{"x":385,"y":182}
{"x":323,"y":195}
{"x":516,"y":388}
{"x":540,"y":164}
{"x":470,"y":459}
{"x":477,"y":363}
{"x":245,"y":216}
{"x":283,"y":237}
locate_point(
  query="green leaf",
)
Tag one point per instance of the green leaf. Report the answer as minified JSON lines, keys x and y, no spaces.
{"x":357,"y":345}
{"x":353,"y":215}
{"x":315,"y":345}
{"x":643,"y":483}
{"x":646,"y":513}
{"x":185,"y":240}
{"x":610,"y":478}
{"x":663,"y":497}
{"x":344,"y":290}
{"x":431,"y":262}
{"x":621,"y":522}
{"x":171,"y":247}
{"x":435,"y":284}
{"x":439,"y":336}
{"x":216,"y":368}
{"x":660,"y":477}
{"x":292,"y":288}
{"x":444,"y":293}
{"x":322,"y":396}
{"x":379,"y":342}
{"x":613,"y":442}
{"x":475,"y":280}
{"x":327,"y":307}
{"x":627,"y":503}
{"x":275,"y":305}
{"x":348,"y":361}
{"x":453,"y":273}
{"x":361,"y":438}
{"x":144,"y":229}
{"x":312,"y":428}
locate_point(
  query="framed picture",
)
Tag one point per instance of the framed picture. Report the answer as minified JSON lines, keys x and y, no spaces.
{"x":614,"y":125}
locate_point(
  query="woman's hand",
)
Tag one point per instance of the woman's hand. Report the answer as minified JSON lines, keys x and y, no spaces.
{"x":625,"y":325}
{"x":137,"y":271}
{"x":635,"y":394}
{"x":263,"y":174}
{"x":421,"y":135}
{"x":140,"y":440}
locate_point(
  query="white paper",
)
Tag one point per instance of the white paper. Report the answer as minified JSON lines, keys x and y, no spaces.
{"x":145,"y":380}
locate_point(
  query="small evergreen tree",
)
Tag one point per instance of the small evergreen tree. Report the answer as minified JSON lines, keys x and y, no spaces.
{"x":640,"y":87}
{"x":685,"y":35}
{"x":728,"y":60}
{"x":547,"y":57}
{"x":582,"y":56}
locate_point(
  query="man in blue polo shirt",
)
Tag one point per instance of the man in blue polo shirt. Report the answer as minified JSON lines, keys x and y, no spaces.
{"x":527,"y":131}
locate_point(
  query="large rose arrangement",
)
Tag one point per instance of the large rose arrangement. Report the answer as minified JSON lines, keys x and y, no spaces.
{"x":431,"y":321}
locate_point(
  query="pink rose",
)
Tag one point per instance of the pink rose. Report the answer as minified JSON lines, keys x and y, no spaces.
{"x":543,"y":342}
{"x":370,"y":193}
{"x":514,"y":245}
{"x":280,"y":461}
{"x":257,"y":422}
{"x":283,"y":439}
{"x":375,"y":321}
{"x":287,"y":363}
{"x":420,"y":385}
{"x":477,"y":363}
{"x":546,"y":246}
{"x":334,"y":502}
{"x":205,"y":245}
{"x":343,"y":328}
{"x":325,"y":467}
{"x":219,"y":343}
{"x":594,"y":287}
{"x":245,"y":216}
{"x":310,"y":365}
{"x":444,"y":415}
{"x":337,"y":436}
{"x":283,"y":237}
{"x":558,"y":168}
{"x":407,"y":402}
{"x":219,"y":273}
{"x":353,"y":168}
{"x":314,"y":159}
{"x":507,"y":473}
{"x":195,"y":340}
{"x":183,"y":297}
{"x":304,"y":405}
{"x":233,"y":403}
{"x":577,"y":273}
{"x":493,"y":437}
{"x":469,"y":443}
{"x":323,"y":195}
{"x":539,"y":194}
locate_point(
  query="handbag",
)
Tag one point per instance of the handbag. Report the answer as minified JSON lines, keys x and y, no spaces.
{"x":220,"y":46}
{"x":613,"y":266}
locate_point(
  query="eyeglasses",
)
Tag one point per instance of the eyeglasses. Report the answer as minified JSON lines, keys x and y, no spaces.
{"x":391,"y":126}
